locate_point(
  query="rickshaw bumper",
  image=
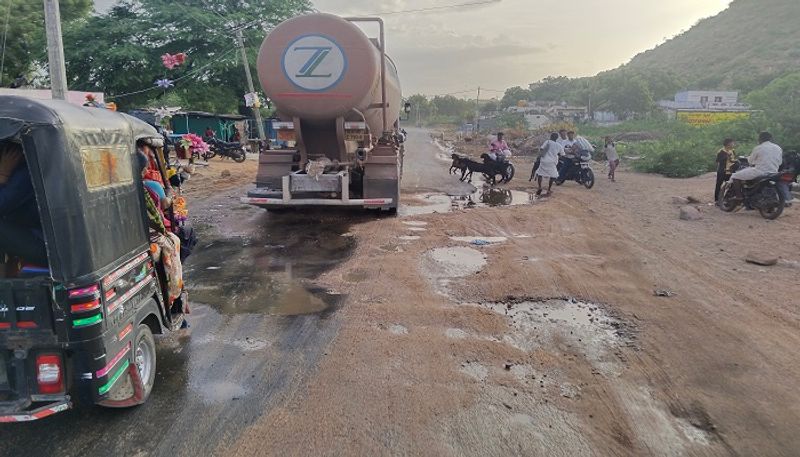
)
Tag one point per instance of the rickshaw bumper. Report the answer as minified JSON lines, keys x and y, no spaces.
{"x":15,"y":412}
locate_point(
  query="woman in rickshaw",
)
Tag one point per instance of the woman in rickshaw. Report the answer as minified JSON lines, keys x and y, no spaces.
{"x":165,"y":243}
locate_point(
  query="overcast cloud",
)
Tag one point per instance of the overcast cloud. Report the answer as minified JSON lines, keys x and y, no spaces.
{"x":516,"y":42}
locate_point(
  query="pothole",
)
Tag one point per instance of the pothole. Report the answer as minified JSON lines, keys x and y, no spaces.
{"x":455,"y":262}
{"x":569,"y":325}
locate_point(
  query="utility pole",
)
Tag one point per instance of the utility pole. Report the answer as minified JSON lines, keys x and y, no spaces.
{"x":55,"y":50}
{"x":257,"y":111}
{"x":478,"y":111}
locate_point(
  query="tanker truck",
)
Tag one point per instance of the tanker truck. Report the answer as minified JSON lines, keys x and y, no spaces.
{"x":337,"y":97}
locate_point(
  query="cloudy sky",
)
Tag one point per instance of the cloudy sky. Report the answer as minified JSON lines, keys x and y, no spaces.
{"x":515,"y":42}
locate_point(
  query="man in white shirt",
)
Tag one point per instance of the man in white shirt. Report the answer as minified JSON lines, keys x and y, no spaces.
{"x":562,"y":138}
{"x":765,"y":159}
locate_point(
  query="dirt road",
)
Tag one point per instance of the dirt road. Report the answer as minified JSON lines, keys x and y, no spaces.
{"x":459,"y":328}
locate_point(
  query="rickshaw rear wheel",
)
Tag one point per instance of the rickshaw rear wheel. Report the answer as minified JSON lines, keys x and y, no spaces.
{"x":144,"y":357}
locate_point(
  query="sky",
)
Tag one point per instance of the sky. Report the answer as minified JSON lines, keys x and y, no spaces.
{"x":508,"y":43}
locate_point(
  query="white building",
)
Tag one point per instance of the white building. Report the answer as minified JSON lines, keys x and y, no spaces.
{"x":706,"y":97}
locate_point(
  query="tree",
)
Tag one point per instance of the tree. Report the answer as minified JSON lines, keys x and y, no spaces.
{"x":119,"y":52}
{"x":490,"y":106}
{"x":420,"y":107}
{"x":513,"y":96}
{"x":25,"y":44}
{"x":780,"y":101}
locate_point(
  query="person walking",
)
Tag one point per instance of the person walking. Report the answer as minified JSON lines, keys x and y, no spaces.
{"x":548,"y":163}
{"x":726,"y":158}
{"x":610,"y":151}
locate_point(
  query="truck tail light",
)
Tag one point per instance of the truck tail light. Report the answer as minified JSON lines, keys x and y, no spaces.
{"x":50,"y":374}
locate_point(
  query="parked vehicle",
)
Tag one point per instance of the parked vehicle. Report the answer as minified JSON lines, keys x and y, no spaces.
{"x":221,"y":148}
{"x":343,"y":123}
{"x":762,"y":194}
{"x":576,"y":168}
{"x":81,"y":327}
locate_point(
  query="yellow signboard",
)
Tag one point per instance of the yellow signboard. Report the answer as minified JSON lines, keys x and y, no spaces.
{"x":700,"y":118}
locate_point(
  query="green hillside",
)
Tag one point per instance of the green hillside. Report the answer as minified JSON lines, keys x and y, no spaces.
{"x":742,"y":48}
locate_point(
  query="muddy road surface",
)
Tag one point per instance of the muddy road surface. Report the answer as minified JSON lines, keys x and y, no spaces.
{"x":479,"y":322}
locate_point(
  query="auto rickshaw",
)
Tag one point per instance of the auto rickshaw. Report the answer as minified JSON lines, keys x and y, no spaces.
{"x":81,"y":327}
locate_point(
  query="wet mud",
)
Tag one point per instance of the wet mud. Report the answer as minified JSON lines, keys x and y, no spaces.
{"x":270,"y":272}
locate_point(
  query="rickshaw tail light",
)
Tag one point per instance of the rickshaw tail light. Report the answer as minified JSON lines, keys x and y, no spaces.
{"x":49,"y":374}
{"x":85,"y":307}
{"x":84,"y":291}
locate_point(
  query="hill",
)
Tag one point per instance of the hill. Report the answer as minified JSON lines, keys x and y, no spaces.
{"x":743,"y":48}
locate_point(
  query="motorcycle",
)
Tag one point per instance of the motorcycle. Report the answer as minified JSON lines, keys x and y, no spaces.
{"x":761,"y":194}
{"x":502,"y":165}
{"x":223,"y":149}
{"x":576,"y":169}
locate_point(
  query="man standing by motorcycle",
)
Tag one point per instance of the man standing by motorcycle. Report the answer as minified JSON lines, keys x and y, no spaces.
{"x":726,"y":158}
{"x":765,"y":159}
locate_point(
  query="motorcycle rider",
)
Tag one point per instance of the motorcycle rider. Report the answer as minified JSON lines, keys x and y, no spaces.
{"x":498,"y":148}
{"x":765,"y":159}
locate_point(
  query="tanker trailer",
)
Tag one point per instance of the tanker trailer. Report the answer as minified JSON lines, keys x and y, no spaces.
{"x":337,"y":96}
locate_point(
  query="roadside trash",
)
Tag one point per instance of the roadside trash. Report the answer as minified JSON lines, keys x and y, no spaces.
{"x":481,"y":243}
{"x":663,"y":293}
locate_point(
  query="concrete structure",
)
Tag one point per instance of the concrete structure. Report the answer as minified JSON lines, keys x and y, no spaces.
{"x":703,"y":107}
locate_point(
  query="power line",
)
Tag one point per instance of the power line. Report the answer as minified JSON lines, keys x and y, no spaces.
{"x":436,"y":8}
{"x":187,"y":75}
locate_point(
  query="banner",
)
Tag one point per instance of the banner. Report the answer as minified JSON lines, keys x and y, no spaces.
{"x":700,"y":118}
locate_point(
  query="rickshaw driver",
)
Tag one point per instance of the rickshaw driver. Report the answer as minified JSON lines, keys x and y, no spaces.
{"x":20,"y":228}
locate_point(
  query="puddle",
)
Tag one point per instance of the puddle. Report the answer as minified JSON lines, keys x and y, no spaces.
{"x":431,"y":204}
{"x":483,"y":196}
{"x":408,"y":238}
{"x":269,"y":273}
{"x":493,"y":196}
{"x":478,"y":240}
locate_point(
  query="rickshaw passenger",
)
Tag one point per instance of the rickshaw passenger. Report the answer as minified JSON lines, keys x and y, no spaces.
{"x":167,"y":244}
{"x":20,"y":228}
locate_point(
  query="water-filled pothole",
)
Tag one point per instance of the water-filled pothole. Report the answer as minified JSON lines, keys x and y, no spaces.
{"x":269,"y":273}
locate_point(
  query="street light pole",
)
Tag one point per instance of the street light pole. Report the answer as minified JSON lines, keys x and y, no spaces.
{"x":55,"y":50}
{"x":256,"y":110}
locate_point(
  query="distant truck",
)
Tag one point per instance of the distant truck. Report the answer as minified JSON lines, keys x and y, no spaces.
{"x":338,"y":101}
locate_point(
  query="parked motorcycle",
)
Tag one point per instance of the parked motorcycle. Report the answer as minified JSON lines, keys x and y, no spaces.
{"x":761,"y":194}
{"x":223,"y":149}
{"x":576,"y":169}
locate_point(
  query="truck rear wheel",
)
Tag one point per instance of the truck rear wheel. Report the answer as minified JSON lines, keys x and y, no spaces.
{"x":144,"y":356}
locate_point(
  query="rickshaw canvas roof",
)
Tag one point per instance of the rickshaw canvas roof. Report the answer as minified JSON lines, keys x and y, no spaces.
{"x":87,"y":182}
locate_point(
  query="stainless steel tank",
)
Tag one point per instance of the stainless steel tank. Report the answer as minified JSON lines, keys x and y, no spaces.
{"x":320,"y":67}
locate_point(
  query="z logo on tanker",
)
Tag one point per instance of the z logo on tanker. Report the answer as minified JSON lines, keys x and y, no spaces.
{"x":314,"y":63}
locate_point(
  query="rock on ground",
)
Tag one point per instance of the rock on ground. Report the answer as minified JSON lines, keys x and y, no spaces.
{"x":765,"y":260}
{"x":690,"y":213}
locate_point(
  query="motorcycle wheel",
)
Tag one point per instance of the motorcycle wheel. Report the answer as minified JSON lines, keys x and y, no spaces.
{"x":588,"y":178}
{"x":509,"y":173}
{"x":726,"y":202}
{"x":209,"y":155}
{"x":773,"y":204}
{"x":238,"y":156}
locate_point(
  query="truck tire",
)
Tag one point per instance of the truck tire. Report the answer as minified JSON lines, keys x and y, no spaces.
{"x":144,"y":356}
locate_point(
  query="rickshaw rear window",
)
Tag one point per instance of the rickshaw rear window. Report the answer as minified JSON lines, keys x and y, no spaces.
{"x":106,"y":166}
